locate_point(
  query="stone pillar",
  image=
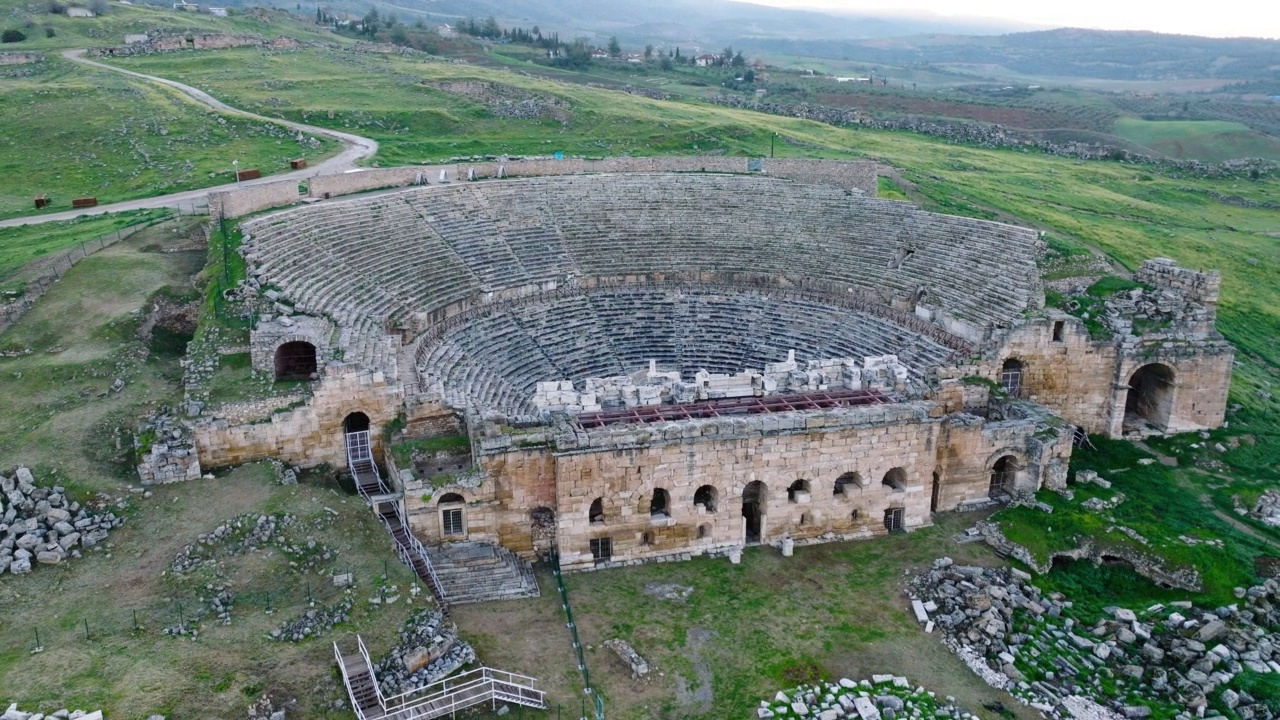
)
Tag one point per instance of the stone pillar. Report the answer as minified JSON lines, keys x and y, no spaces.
{"x":735,"y":555}
{"x":788,"y":546}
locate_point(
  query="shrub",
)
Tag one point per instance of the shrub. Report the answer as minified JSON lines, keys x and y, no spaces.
{"x":12,"y":36}
{"x":50,"y":32}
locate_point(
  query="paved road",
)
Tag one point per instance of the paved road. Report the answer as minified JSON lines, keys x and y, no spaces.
{"x":355,"y":148}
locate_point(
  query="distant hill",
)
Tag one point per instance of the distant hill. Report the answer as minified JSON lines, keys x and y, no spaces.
{"x":1064,"y":52}
{"x":712,"y":23}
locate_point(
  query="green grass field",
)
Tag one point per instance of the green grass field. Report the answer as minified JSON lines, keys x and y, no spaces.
{"x":1207,"y":140}
{"x":122,"y":20}
{"x":72,"y":131}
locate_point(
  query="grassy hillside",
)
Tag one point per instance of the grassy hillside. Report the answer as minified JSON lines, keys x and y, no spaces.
{"x":407,"y":105}
{"x":72,"y":131}
{"x":1208,"y":140}
{"x":32,"y":18}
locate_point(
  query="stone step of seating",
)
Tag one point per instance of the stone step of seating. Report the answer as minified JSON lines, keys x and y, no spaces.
{"x":478,"y":572}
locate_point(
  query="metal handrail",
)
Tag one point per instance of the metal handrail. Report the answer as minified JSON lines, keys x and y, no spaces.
{"x":433,"y":580}
{"x":448,"y":694}
{"x":346,"y":681}
{"x":364,"y":652}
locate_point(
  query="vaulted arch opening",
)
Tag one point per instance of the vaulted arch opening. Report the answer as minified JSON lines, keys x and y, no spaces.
{"x":1150,"y":395}
{"x":295,"y":361}
{"x":705,"y":497}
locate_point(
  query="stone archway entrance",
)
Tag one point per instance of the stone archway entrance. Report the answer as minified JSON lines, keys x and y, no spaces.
{"x":295,"y":361}
{"x":1003,"y":474}
{"x":754,"y":501}
{"x":1150,"y":397}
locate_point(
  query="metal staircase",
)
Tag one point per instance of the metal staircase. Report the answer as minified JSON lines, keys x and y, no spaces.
{"x":386,"y":506}
{"x":432,"y":701}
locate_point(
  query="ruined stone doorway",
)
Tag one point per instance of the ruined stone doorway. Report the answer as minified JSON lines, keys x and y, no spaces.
{"x":937,"y":488}
{"x":295,"y":361}
{"x":1003,"y":473}
{"x":1150,"y":396}
{"x":542,"y":529}
{"x":754,"y":498}
{"x":1011,"y":377}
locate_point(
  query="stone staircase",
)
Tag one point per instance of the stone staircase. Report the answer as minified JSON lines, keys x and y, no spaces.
{"x":472,"y":572}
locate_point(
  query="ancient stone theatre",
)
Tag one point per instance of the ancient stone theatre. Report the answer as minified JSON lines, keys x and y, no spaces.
{"x":648,"y":365}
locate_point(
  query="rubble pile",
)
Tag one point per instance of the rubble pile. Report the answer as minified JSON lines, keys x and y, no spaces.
{"x":1178,"y":658}
{"x":428,"y":651}
{"x":316,"y":621}
{"x":250,"y":533}
{"x":41,"y":525}
{"x":883,"y":697}
{"x":1267,"y":508}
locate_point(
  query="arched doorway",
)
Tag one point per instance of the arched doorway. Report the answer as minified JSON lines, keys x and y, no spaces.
{"x":359,"y":449}
{"x":1003,"y":474}
{"x":295,"y":361}
{"x":755,"y":498}
{"x":355,"y":422}
{"x":1011,"y":377}
{"x":1150,"y":395}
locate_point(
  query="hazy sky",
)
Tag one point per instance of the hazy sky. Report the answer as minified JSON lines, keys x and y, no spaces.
{"x":1220,"y":18}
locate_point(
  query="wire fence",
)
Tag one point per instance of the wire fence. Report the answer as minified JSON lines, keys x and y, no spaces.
{"x":596,"y":700}
{"x":50,"y":270}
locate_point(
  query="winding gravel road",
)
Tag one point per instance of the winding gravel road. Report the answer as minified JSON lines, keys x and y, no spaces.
{"x":355,"y":148}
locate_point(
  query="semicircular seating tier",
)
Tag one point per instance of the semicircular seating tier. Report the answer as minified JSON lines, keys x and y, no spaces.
{"x":496,"y":360}
{"x":393,"y":259}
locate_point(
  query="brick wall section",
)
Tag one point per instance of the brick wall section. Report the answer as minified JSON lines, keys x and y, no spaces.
{"x":253,"y":198}
{"x":623,"y":465}
{"x":1087,"y":381}
{"x":305,"y":436}
{"x":1202,"y":287}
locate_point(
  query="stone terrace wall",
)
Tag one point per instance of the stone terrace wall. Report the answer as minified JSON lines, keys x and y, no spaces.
{"x":20,"y":58}
{"x":252,"y":198}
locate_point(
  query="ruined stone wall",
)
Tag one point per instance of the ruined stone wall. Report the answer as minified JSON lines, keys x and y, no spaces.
{"x":308,"y":435}
{"x":969,"y":448}
{"x":1164,"y":273}
{"x":20,"y":58}
{"x":1200,"y":385}
{"x":1072,"y":376}
{"x":851,"y":175}
{"x":627,"y":478}
{"x":252,"y":198}
{"x":269,"y":335}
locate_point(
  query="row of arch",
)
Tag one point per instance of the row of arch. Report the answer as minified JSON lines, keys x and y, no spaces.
{"x":707,"y":496}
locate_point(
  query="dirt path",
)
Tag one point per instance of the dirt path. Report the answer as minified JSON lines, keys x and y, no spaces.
{"x":355,"y":148}
{"x":1226,"y":517}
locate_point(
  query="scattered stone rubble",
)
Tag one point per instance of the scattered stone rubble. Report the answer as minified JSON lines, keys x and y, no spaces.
{"x":167,"y":451}
{"x":1179,"y":657}
{"x":314,"y":622}
{"x":13,"y":713}
{"x":657,"y":387}
{"x":883,"y":697}
{"x":251,"y":533}
{"x":1267,"y":508}
{"x":40,"y":525}
{"x":428,"y":651}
